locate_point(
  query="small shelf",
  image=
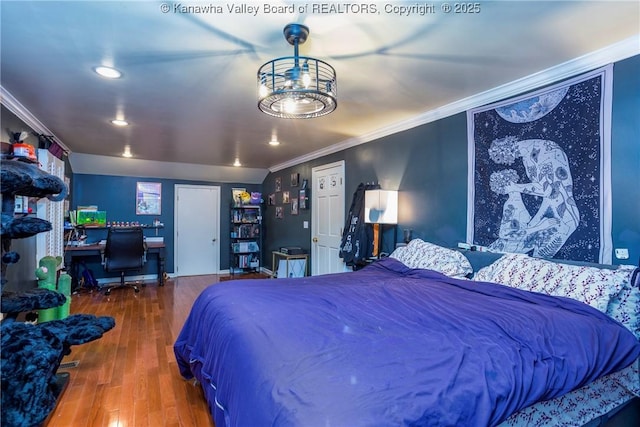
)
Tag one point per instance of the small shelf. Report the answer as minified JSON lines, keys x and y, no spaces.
{"x":295,"y":265}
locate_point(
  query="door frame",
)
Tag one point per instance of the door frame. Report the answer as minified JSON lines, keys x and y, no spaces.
{"x":216,"y":190}
{"x":314,"y":207}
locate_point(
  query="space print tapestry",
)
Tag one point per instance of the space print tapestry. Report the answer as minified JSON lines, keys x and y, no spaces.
{"x":539,"y":171}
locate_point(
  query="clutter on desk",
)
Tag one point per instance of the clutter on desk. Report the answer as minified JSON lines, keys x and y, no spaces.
{"x":125,"y":224}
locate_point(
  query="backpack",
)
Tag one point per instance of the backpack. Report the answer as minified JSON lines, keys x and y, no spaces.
{"x":87,"y":279}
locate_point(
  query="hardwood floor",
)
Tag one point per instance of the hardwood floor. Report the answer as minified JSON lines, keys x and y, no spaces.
{"x":129,"y":377}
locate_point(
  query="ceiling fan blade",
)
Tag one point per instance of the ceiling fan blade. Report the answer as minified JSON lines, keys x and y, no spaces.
{"x":454,"y":59}
{"x":420,"y":34}
{"x":247,"y":46}
{"x":160,"y":57}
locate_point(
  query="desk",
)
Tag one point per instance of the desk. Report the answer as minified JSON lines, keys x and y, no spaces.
{"x":72,"y":252}
{"x":277,"y":255}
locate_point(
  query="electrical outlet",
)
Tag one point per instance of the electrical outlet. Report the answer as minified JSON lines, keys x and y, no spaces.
{"x":622,"y":253}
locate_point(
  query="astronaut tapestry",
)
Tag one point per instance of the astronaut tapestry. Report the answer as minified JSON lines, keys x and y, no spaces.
{"x":539,"y":173}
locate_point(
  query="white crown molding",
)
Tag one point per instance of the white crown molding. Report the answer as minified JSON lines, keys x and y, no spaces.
{"x":26,"y":116}
{"x":616,"y":52}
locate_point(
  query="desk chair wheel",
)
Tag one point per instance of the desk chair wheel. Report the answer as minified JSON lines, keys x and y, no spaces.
{"x":136,"y":289}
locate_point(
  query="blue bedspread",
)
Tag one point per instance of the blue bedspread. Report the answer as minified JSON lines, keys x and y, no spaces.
{"x":389,"y":346}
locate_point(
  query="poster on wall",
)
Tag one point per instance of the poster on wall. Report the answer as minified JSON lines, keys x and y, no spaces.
{"x":148,"y":198}
{"x":540,"y":171}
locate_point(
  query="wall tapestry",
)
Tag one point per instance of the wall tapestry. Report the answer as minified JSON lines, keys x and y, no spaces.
{"x":539,"y":171}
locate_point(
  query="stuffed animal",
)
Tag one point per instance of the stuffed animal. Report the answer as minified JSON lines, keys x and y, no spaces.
{"x":256,"y":198}
{"x":47,"y":273}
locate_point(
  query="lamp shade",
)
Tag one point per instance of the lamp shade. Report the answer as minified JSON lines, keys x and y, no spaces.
{"x":381,"y":207}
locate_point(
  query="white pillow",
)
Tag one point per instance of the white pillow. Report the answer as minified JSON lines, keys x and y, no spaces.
{"x":590,"y":285}
{"x":420,"y":254}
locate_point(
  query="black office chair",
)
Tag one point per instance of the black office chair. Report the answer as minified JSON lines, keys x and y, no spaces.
{"x":125,"y":251}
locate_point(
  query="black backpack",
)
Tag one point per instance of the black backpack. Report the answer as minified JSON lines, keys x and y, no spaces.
{"x":88,"y":279}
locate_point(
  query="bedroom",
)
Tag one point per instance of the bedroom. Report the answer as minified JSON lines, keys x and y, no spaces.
{"x":436,"y":213}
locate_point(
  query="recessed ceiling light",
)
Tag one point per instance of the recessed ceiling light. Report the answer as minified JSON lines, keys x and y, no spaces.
{"x":127,"y":152}
{"x":274,"y":141}
{"x":237,"y":163}
{"x":118,"y":122}
{"x":108,"y":72}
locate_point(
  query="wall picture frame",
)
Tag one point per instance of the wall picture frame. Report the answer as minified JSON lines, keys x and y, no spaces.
{"x":285,"y":197}
{"x":303,"y":199}
{"x":148,"y":198}
{"x":295,"y":179}
{"x":271,"y":200}
{"x":279,"y":212}
{"x":294,"y":206}
{"x":236,"y":195}
{"x":278,"y":184}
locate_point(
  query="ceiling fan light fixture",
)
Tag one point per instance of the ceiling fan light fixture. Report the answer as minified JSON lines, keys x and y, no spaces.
{"x":127,"y":152}
{"x":107,"y":72}
{"x":237,"y":163}
{"x":297,"y":87}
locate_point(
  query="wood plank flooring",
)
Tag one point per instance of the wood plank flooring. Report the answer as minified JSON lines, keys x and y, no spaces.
{"x":129,"y":377}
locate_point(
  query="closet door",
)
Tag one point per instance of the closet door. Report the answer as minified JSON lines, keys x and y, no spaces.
{"x":197,"y":230}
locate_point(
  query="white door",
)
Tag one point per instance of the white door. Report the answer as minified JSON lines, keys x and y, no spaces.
{"x":327,"y":218}
{"x":197,"y":230}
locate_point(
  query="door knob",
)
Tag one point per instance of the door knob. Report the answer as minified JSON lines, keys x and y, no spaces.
{"x":315,"y":240}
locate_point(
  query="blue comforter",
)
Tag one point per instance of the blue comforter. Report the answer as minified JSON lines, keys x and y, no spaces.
{"x":389,"y":345}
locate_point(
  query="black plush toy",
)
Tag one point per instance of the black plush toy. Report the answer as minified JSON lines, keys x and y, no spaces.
{"x":31,"y":354}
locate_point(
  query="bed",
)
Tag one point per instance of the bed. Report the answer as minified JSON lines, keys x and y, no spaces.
{"x":411,"y":340}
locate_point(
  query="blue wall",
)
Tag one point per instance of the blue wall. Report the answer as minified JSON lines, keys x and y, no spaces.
{"x":428,"y":165}
{"x":625,"y":153}
{"x":116,"y":195}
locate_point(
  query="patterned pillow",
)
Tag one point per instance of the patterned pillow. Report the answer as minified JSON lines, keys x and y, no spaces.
{"x":518,"y":271}
{"x":398,"y":253}
{"x":420,"y":254}
{"x":591,"y":285}
{"x":625,"y":306}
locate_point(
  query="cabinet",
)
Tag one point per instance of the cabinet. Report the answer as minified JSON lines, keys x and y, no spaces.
{"x":246,"y":238}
